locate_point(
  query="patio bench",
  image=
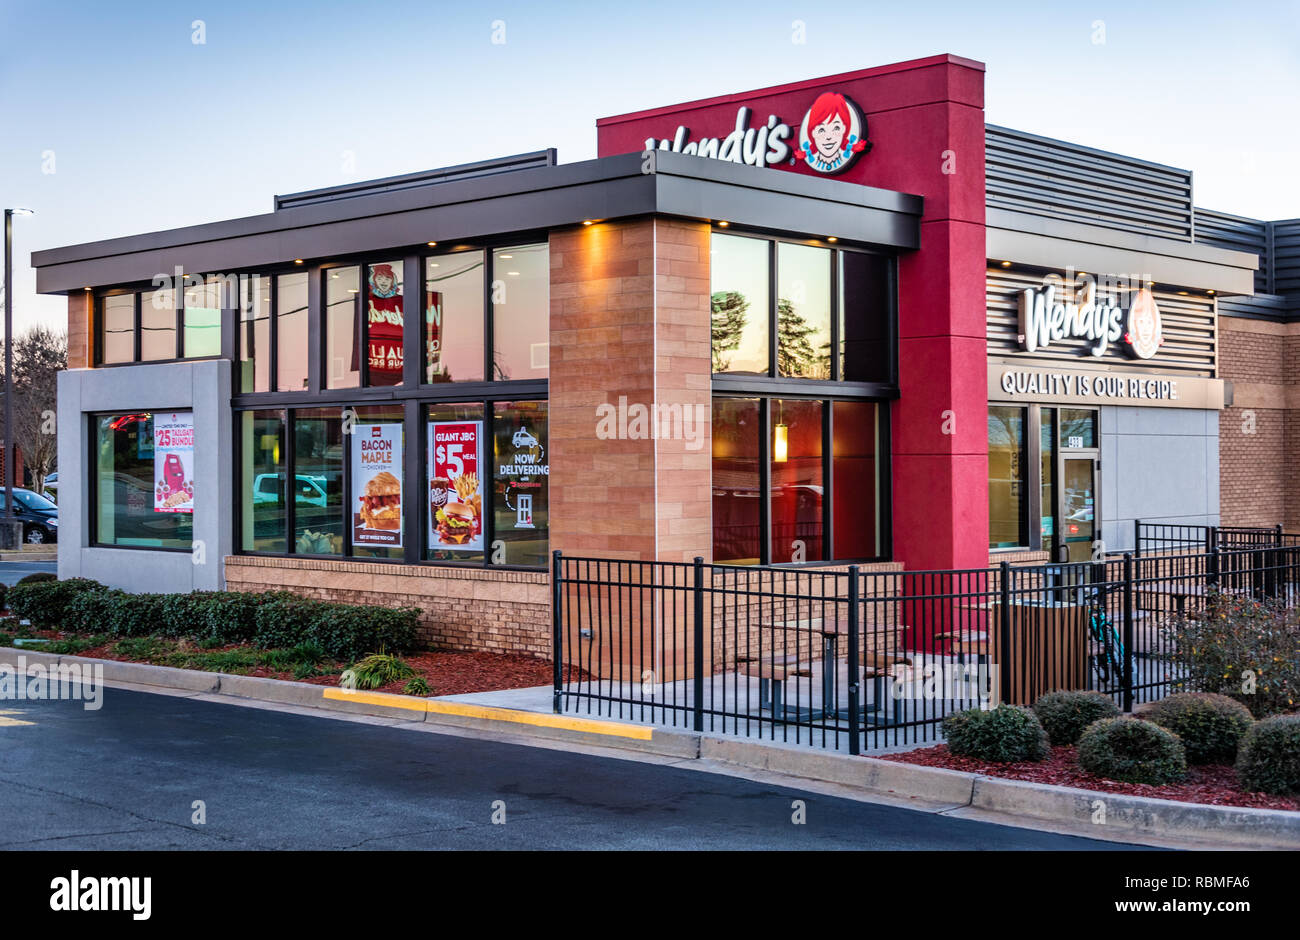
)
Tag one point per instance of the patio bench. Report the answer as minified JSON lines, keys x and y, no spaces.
{"x":771,"y":677}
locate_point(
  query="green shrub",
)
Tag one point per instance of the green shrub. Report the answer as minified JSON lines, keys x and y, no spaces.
{"x":1132,"y":751}
{"x":1242,"y":648}
{"x":136,"y":614}
{"x":4,"y":589}
{"x":37,"y":577}
{"x":230,"y":616}
{"x":45,"y":602}
{"x":417,"y":686}
{"x":1064,"y":715}
{"x":1004,"y":734}
{"x":1269,"y":758}
{"x":6,"y":639}
{"x":347,"y":631}
{"x":285,"y":621}
{"x":74,"y":645}
{"x":378,"y":670}
{"x":91,"y":611}
{"x":1210,"y":726}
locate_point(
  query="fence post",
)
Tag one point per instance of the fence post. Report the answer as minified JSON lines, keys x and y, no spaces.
{"x":698,"y":672}
{"x":1213,"y":574}
{"x":1128,"y":632}
{"x":557,"y":630}
{"x":1137,"y":536}
{"x":1004,"y":634}
{"x":854,"y":717}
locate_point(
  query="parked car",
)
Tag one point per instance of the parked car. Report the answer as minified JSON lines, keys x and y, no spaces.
{"x":269,"y":488}
{"x":39,"y":516}
{"x":52,"y":487}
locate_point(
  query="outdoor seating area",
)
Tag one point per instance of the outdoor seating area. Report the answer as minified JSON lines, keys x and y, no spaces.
{"x":864,"y":660}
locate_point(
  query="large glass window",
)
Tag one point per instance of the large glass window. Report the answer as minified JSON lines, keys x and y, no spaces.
{"x":117,"y":343}
{"x":254,"y":333}
{"x":140,"y":490}
{"x":798,"y":481}
{"x":342,"y":328}
{"x":1078,"y":428}
{"x":865,"y":317}
{"x":520,"y":481}
{"x":264,"y":506}
{"x":202,"y":318}
{"x":1007,"y":477}
{"x":158,"y":324}
{"x":737,"y":482}
{"x":521,"y":312}
{"x":822,"y":465}
{"x":291,"y":332}
{"x":319,"y":453}
{"x":384,"y":342}
{"x":740,"y":304}
{"x":856,"y":474}
{"x":453,"y":317}
{"x":803,"y":312}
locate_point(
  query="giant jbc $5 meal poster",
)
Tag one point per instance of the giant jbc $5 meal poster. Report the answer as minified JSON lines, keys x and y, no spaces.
{"x":456,"y":485}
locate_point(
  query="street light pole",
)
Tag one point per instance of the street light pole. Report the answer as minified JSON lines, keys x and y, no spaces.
{"x":11,"y":537}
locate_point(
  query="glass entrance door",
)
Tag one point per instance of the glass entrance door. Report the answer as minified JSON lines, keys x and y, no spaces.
{"x":1078,"y":508}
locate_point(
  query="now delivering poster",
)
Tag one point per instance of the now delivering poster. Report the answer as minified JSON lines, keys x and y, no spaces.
{"x":377,"y":485}
{"x":456,"y":486}
{"x":173,"y":462}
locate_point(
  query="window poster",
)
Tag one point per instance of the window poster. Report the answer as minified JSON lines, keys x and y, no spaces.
{"x":173,"y":462}
{"x":384,"y":313}
{"x":433,"y":335}
{"x":377,"y":485}
{"x":456,"y":485}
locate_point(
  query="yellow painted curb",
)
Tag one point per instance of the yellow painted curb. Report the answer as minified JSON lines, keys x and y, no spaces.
{"x":466,"y":710}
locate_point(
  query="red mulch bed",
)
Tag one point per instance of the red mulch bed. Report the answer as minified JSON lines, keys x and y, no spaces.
{"x":447,"y":672}
{"x":1210,"y":783}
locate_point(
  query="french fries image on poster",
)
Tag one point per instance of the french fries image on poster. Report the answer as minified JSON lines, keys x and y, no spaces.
{"x":456,"y":485}
{"x":173,"y":462}
{"x":377,"y":485}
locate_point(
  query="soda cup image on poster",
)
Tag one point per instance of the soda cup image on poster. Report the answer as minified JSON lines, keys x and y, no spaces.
{"x":456,"y":485}
{"x":377,"y":485}
{"x":173,"y":462}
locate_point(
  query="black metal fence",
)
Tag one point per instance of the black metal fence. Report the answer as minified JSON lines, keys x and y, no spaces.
{"x":856,"y":658}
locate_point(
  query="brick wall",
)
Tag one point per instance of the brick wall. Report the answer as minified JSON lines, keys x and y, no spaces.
{"x":460,"y":608}
{"x":1259,"y":436}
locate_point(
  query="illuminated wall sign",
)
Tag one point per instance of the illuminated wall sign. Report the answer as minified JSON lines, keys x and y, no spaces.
{"x":832,"y":135}
{"x":1072,"y":387}
{"x":1048,"y":315}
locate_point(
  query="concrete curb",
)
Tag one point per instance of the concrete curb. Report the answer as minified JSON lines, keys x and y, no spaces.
{"x":945,"y":790}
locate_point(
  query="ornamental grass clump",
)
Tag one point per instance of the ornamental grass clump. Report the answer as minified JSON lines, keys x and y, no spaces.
{"x":1064,"y":715}
{"x":1132,"y":751}
{"x":376,"y":671}
{"x":1210,"y":726}
{"x":1005,"y":734}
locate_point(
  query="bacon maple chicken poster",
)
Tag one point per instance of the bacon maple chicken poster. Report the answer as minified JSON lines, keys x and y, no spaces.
{"x":377,"y":485}
{"x":455,"y":485}
{"x":173,"y":462}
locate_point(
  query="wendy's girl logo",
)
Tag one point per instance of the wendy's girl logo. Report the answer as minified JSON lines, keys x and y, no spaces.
{"x":833,"y":134}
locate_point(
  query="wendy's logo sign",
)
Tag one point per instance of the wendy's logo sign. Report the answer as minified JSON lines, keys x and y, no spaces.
{"x":833,"y":134}
{"x":1144,"y":333}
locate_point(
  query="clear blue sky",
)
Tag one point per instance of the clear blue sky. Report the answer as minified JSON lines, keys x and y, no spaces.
{"x":150,"y":131}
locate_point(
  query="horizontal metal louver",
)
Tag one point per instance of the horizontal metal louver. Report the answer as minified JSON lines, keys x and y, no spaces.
{"x":1060,"y":180}
{"x":1236,"y":233}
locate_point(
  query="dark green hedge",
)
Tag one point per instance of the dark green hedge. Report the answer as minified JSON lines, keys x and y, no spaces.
{"x":1269,"y":759}
{"x":274,"y":620}
{"x":1005,"y":734}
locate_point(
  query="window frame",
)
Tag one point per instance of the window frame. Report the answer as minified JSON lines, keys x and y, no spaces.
{"x":178,"y":305}
{"x":92,"y":496}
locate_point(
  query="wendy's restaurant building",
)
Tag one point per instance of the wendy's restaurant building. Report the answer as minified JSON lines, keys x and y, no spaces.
{"x":842,"y":320}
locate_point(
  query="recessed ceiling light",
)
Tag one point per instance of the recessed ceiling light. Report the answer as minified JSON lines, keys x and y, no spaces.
{"x":513,"y":273}
{"x":723,"y":224}
{"x":831,"y":238}
{"x":353,"y":290}
{"x":431,"y":244}
{"x":297,"y":261}
{"x":334,"y":277}
{"x":507,"y":257}
{"x":433,"y":264}
{"x":587,"y":222}
{"x":1210,"y":292}
{"x":1006,"y":264}
{"x":1182,"y":293}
